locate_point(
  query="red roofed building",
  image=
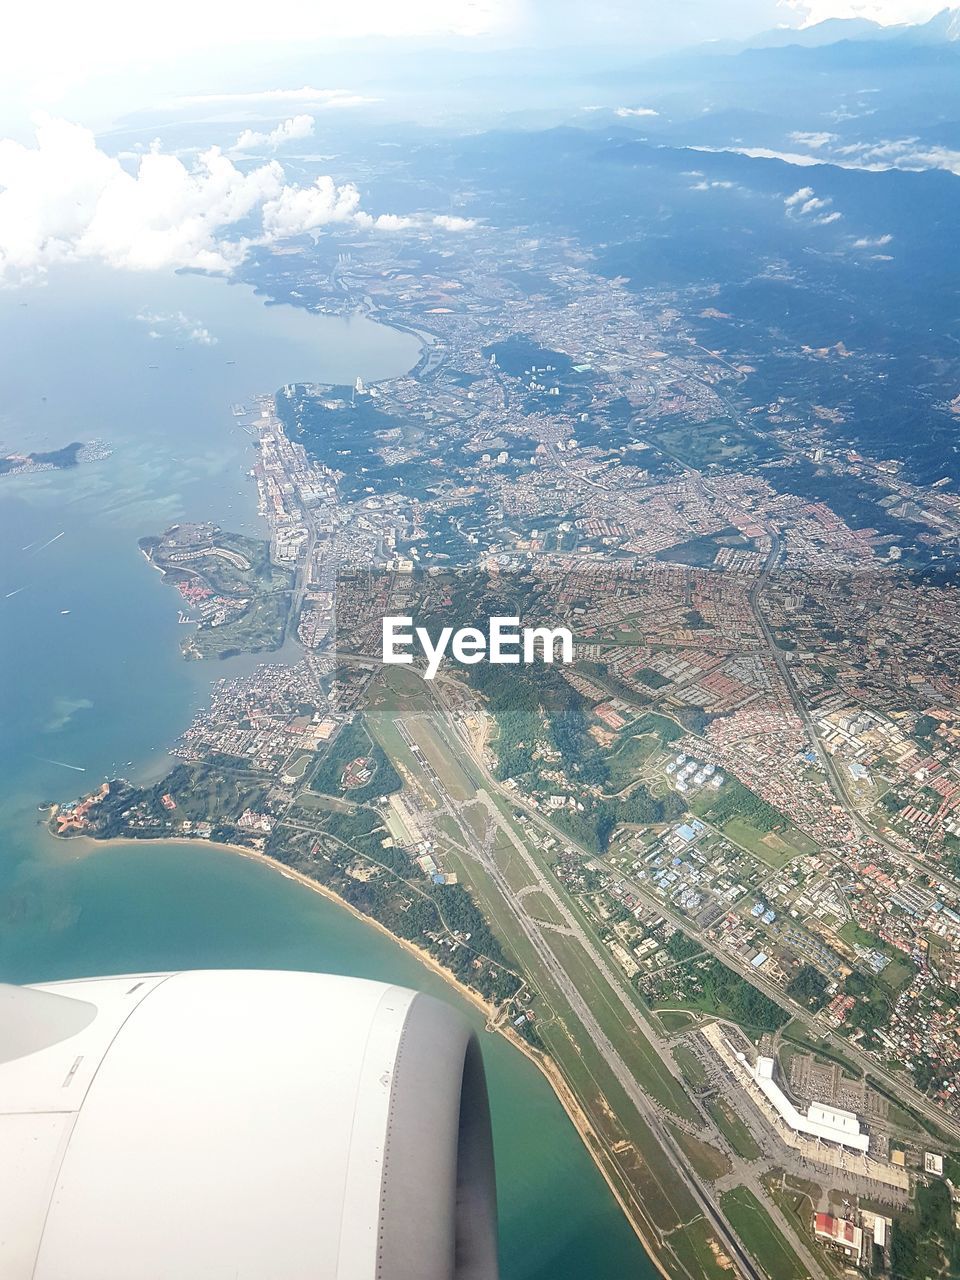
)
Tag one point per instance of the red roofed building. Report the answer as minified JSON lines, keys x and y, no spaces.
{"x":838,"y":1231}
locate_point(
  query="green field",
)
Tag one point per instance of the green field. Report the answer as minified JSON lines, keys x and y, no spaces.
{"x":699,"y":1251}
{"x":296,"y":766}
{"x":897,"y":973}
{"x":510,"y":861}
{"x":675,"y":1019}
{"x":749,"y":821}
{"x":733,"y":1129}
{"x":311,"y":802}
{"x":425,"y":734}
{"x":706,"y":1160}
{"x":204,"y":793}
{"x":690,"y":1065}
{"x":627,"y":760}
{"x":651,"y":678}
{"x":665,"y":729}
{"x":697,"y":552}
{"x":259,"y":629}
{"x":538,"y":905}
{"x":714,"y":444}
{"x":797,"y":1198}
{"x":775,"y":848}
{"x":761,"y":1237}
{"x":632,"y":1045}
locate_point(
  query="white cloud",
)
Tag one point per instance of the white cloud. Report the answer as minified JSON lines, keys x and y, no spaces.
{"x":294,"y":210}
{"x":765,"y":153}
{"x":414,"y":221}
{"x":872,"y":242}
{"x":712,"y":185}
{"x":899,"y":153}
{"x":813,"y":205}
{"x":891,"y":153}
{"x":177,"y":325}
{"x":65,"y":199}
{"x":450,"y":222}
{"x":393,"y":222}
{"x":806,"y":206}
{"x":315,"y":99}
{"x":636,"y":111}
{"x":883,"y":11}
{"x":813,"y":140}
{"x":289,"y":131}
{"x":389,"y":221}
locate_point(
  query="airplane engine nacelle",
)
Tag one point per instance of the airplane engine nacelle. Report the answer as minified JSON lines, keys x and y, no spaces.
{"x":243,"y":1125}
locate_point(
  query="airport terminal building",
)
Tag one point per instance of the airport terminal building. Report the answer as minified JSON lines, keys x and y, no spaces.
{"x":825,"y":1123}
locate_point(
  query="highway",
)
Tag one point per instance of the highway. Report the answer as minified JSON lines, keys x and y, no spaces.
{"x":936,"y":1115}
{"x":649,"y":1111}
{"x":833,"y":774}
{"x":917,"y":1100}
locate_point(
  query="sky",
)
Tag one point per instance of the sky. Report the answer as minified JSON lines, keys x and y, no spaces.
{"x":54,"y":53}
{"x":69,"y":72}
{"x":885,"y":11}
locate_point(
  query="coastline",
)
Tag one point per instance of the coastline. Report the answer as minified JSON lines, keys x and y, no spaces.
{"x":542,"y":1061}
{"x":427,"y":344}
{"x":365,"y":308}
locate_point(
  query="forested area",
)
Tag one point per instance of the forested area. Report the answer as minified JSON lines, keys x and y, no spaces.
{"x":808,"y":986}
{"x":737,"y":801}
{"x":926,"y":1242}
{"x":393,"y":892}
{"x":351,"y":743}
{"x":735,"y":997}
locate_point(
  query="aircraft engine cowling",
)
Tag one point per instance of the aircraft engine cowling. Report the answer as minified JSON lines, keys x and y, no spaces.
{"x":243,"y":1125}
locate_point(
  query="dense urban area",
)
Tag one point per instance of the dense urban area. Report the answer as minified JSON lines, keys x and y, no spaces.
{"x":708,"y":873}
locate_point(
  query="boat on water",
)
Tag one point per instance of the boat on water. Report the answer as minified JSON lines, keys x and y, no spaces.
{"x":64,"y":612}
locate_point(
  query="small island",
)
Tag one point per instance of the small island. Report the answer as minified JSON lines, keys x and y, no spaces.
{"x":71,"y":455}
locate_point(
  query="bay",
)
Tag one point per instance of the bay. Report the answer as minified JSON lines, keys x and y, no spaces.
{"x":91,"y":683}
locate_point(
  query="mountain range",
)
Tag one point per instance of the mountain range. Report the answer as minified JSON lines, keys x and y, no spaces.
{"x":942,"y":28}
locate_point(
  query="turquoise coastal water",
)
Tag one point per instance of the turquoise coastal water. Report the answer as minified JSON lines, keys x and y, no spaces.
{"x":86,"y":691}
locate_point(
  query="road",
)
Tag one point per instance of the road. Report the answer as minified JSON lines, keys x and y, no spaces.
{"x":916,"y":1100}
{"x":936,"y":1115}
{"x":834,"y":777}
{"x":649,"y":1111}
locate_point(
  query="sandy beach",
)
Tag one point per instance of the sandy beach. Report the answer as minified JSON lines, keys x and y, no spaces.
{"x":543,"y":1061}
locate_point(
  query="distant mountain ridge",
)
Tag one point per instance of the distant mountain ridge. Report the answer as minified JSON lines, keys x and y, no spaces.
{"x":942,"y":28}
